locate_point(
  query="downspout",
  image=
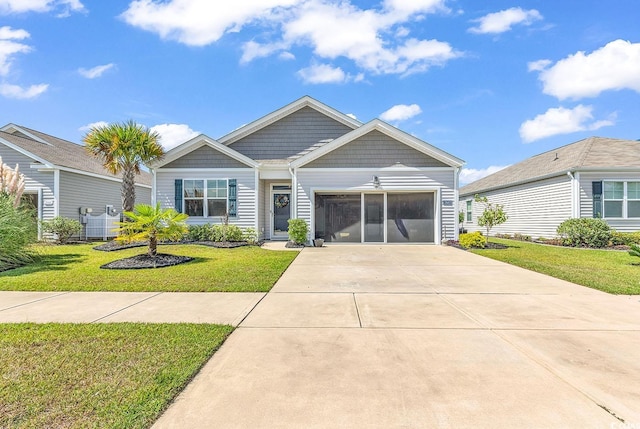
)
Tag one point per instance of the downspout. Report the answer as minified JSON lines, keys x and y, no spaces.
{"x":456,"y":202}
{"x":294,"y":193}
{"x":573,"y":194}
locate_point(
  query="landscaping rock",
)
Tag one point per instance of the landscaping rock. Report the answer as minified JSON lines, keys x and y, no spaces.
{"x":145,"y":261}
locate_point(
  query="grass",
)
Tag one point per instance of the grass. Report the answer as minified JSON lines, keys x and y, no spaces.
{"x":119,"y":375}
{"x":610,"y":271}
{"x":77,"y":268}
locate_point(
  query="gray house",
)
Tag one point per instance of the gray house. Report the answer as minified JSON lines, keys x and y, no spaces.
{"x":351,"y":182}
{"x":61,"y":178}
{"x":594,"y":177}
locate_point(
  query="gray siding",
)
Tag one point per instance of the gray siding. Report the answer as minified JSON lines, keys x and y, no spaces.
{"x":290,"y":135}
{"x":361,"y":180}
{"x":375,"y":150}
{"x":165,"y":193}
{"x":34,"y":179}
{"x":205,"y":157}
{"x":79,"y":190}
{"x":535,"y":209}
{"x":586,"y":198}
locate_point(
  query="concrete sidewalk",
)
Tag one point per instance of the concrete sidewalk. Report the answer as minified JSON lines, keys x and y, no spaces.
{"x":421,"y":336}
{"x":151,"y":307}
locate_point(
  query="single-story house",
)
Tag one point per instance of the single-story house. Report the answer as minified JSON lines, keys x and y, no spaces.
{"x":596,"y":177}
{"x":61,"y":178}
{"x":351,"y":182}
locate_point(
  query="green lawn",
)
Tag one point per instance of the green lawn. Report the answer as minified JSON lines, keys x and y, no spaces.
{"x":607,"y":270}
{"x":119,"y":375}
{"x":77,"y":268}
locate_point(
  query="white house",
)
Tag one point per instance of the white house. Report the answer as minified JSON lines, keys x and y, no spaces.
{"x":594,"y":177}
{"x":351,"y":182}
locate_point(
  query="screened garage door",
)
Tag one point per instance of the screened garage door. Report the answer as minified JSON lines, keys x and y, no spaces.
{"x":389,"y":217}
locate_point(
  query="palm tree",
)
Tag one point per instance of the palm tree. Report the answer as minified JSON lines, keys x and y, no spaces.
{"x":153,"y":224}
{"x":123,"y":148}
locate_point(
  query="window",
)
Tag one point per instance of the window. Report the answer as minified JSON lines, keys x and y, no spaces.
{"x":206,"y":201}
{"x":621,"y":199}
{"x":469,"y":211}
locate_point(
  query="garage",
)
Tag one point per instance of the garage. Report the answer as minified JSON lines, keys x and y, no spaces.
{"x":380,"y":217}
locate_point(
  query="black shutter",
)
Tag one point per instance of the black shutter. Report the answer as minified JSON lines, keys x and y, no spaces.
{"x":233,"y":198}
{"x":597,"y":199}
{"x":178,"y":195}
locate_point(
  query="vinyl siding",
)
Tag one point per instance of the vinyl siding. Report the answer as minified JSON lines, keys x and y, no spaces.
{"x":310,"y":180}
{"x":586,"y":197}
{"x":375,"y":150}
{"x":205,"y":157}
{"x":246,"y":198}
{"x":34,"y":179}
{"x":290,"y":135}
{"x":534,"y":209}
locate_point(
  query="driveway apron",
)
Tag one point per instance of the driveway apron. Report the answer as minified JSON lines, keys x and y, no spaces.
{"x":421,"y":337}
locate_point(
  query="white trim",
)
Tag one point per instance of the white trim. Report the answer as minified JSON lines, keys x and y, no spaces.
{"x":381,"y":169}
{"x":390,"y":131}
{"x":86,"y":173}
{"x":285,"y":111}
{"x":437,"y":221}
{"x":56,"y":192}
{"x":203,"y":170}
{"x":205,"y":197}
{"x":40,"y":211}
{"x":256,"y":184}
{"x":272,"y":212}
{"x":456,"y":202}
{"x":154,"y":187}
{"x":198,"y":142}
{"x":7,"y":129}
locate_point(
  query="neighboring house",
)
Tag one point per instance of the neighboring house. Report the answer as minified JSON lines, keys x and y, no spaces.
{"x":351,"y":182}
{"x":62,"y":179}
{"x":594,"y":177}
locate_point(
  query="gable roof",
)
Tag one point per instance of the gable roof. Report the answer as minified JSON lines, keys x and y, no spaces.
{"x":593,"y":153}
{"x":389,"y":130}
{"x":198,"y":142}
{"x":54,"y":152}
{"x":287,"y":110}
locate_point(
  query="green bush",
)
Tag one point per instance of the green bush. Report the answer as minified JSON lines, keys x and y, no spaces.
{"x":63,"y":227}
{"x":635,"y":250}
{"x":199,"y":232}
{"x":472,"y":239}
{"x":226,"y":232}
{"x":250,"y":235}
{"x":17,"y":231}
{"x":625,"y":238}
{"x":584,"y":232}
{"x":521,"y":237}
{"x":298,"y":231}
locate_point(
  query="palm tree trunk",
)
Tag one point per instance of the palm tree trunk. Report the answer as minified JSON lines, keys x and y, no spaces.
{"x":153,"y":246}
{"x":128,"y":191}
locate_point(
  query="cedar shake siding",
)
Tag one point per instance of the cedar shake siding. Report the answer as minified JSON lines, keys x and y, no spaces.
{"x":290,"y":135}
{"x":374,"y":150}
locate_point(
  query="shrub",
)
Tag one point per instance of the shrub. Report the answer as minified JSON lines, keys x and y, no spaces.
{"x":250,"y":235}
{"x":199,"y":232}
{"x":584,"y":232}
{"x":226,"y":232}
{"x":472,"y":239}
{"x":521,"y":237}
{"x":298,"y":230}
{"x":625,"y":238}
{"x":64,"y":228}
{"x":506,"y":236}
{"x":17,"y":231}
{"x":635,"y":250}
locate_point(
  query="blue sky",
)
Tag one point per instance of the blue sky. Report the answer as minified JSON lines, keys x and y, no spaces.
{"x":492,"y":82}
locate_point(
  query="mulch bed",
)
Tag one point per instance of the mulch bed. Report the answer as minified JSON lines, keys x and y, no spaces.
{"x":489,"y":245}
{"x":145,"y":261}
{"x":114,"y":245}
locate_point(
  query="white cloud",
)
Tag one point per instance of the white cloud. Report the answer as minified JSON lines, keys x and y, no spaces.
{"x":469,"y":175}
{"x":171,"y":135}
{"x":374,"y":39}
{"x":9,"y":47}
{"x":500,"y":22}
{"x":96,"y":71}
{"x":562,"y":121}
{"x":322,"y":73}
{"x":615,"y":66}
{"x":538,"y":65}
{"x":401,"y":112}
{"x":65,"y":7}
{"x":97,"y":124}
{"x":18,"y":92}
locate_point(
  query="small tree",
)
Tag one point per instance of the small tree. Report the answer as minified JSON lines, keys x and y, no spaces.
{"x":152,"y":224}
{"x":64,"y":228}
{"x":492,"y":215}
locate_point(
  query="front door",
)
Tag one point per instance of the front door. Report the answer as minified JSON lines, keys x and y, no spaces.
{"x":281,"y":209}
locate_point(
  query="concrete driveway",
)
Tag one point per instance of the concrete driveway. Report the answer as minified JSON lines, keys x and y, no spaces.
{"x":421,"y":337}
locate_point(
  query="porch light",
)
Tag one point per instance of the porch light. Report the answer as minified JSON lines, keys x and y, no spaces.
{"x":376,"y":182}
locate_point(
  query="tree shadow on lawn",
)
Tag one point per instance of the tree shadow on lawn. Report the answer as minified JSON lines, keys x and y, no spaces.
{"x":45,"y":263}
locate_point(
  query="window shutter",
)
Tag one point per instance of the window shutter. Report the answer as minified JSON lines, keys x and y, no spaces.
{"x":597,"y":199}
{"x":233,"y":199}
{"x":178,"y":195}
